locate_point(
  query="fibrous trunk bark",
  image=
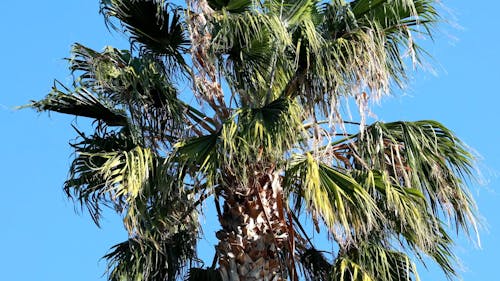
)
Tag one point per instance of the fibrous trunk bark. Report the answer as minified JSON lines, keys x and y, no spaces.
{"x":253,"y":241}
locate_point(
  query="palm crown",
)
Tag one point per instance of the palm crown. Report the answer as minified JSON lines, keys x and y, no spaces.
{"x":265,"y":139}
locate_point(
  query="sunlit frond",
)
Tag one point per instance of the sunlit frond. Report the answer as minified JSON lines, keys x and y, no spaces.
{"x":415,"y":171}
{"x":426,"y":156}
{"x":404,"y":208}
{"x":357,"y":48}
{"x":332,"y":196}
{"x":372,"y":262}
{"x":108,"y":169}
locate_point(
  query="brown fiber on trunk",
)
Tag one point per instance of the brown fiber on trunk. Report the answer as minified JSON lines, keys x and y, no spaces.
{"x":253,"y":240}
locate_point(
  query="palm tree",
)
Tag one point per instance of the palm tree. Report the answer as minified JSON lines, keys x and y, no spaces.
{"x":241,"y":101}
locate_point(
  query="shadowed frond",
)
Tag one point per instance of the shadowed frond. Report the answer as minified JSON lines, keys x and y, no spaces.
{"x":315,"y":266}
{"x":203,"y":274}
{"x":274,"y":127}
{"x":80,"y":102}
{"x":141,"y":260}
{"x":152,"y":23}
{"x":232,"y":6}
{"x":140,"y":85}
{"x":200,"y":155}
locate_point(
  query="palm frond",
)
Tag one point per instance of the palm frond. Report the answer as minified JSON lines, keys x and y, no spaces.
{"x":415,"y":171}
{"x":86,"y":186}
{"x":274,"y":127}
{"x":332,"y":196}
{"x":393,"y":14}
{"x":404,"y":209}
{"x":80,"y":102}
{"x":232,"y":6}
{"x":251,"y":49}
{"x":316,"y":267}
{"x":369,"y":261}
{"x":108,"y":169}
{"x":427,"y":156}
{"x":350,"y":49}
{"x":441,"y":253}
{"x":141,"y":260}
{"x":407,"y":214}
{"x":152,"y":23}
{"x":249,"y":68}
{"x":203,"y":274}
{"x":346,"y":269}
{"x":139,"y":85}
{"x":198,"y":150}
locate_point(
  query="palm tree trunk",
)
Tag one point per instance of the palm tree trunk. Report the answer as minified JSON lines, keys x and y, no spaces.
{"x":253,"y":239}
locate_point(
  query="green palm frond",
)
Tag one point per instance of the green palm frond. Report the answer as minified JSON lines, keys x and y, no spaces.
{"x":346,"y":269}
{"x":80,"y":102}
{"x":401,"y":21}
{"x":86,"y":186}
{"x":342,"y":50}
{"x":332,"y":195}
{"x":393,"y":14}
{"x":251,"y":49}
{"x":243,"y":28}
{"x":108,"y":169}
{"x":163,"y":228}
{"x":423,"y":155}
{"x":274,"y":127}
{"x":372,"y":262}
{"x":407,"y":215}
{"x":415,"y":171}
{"x":404,"y":208}
{"x":249,"y":67}
{"x":155,"y":25}
{"x":232,"y":6}
{"x":141,"y":260}
{"x":135,"y":182}
{"x":98,"y":71}
{"x":139,"y":85}
{"x":121,"y":77}
{"x":198,"y":150}
{"x":441,"y":252}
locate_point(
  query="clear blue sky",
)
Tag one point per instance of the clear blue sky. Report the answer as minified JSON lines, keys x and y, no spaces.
{"x":42,"y":237}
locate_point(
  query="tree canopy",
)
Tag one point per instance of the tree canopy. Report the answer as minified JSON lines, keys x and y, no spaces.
{"x":244,"y":102}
